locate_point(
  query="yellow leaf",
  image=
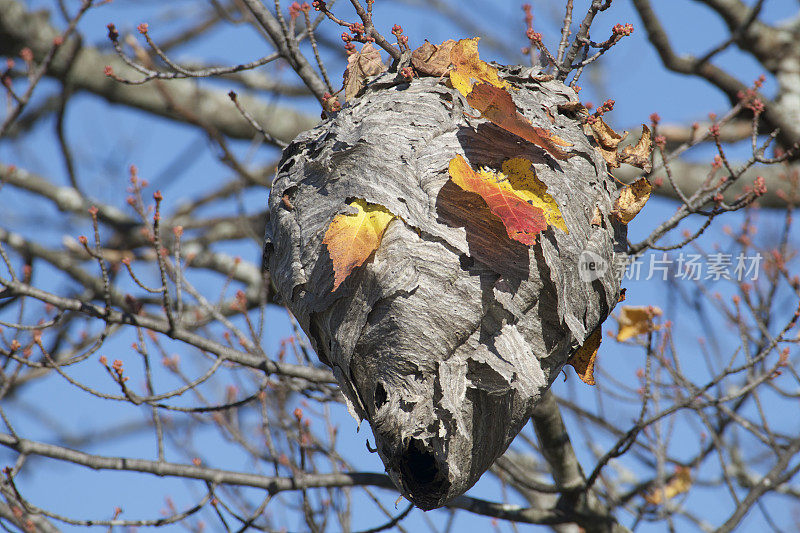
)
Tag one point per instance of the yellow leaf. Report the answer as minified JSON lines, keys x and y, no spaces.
{"x":522,"y":179}
{"x":631,"y":200}
{"x":351,"y":238}
{"x":679,"y":483}
{"x":468,"y":67}
{"x":637,"y":321}
{"x":523,"y":221}
{"x":583,"y":359}
{"x":515,"y":195}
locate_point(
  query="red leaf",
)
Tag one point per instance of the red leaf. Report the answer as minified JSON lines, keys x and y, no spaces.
{"x":496,"y":105}
{"x":522,"y":220}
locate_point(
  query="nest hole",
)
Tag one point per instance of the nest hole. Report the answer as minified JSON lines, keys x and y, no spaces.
{"x":380,"y":396}
{"x":419,"y":464}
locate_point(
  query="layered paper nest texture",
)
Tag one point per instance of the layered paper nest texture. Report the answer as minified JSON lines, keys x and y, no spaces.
{"x":449,"y":333}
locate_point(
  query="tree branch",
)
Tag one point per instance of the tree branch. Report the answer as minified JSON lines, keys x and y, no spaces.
{"x":20,"y":28}
{"x":273,"y":484}
{"x":287,"y":46}
{"x":773,"y":114}
{"x":311,"y":374}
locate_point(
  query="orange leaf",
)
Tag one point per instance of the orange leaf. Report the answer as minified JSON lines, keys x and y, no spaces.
{"x":467,"y":66}
{"x":583,"y":359}
{"x":351,"y":238}
{"x":496,"y":105}
{"x":521,"y":177}
{"x":522,"y":220}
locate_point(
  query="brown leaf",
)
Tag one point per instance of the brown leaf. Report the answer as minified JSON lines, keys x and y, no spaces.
{"x":584,"y":358}
{"x":639,"y":155}
{"x":605,"y":135}
{"x":631,"y":200}
{"x":361,"y":65}
{"x":432,"y":60}
{"x":608,"y":139}
{"x":635,"y":321}
{"x":611,"y":157}
{"x":597,"y":217}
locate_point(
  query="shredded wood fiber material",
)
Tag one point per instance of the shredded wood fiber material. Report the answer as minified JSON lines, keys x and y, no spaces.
{"x":446,"y":338}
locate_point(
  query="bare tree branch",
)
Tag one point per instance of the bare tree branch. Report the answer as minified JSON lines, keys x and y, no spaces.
{"x":20,"y":28}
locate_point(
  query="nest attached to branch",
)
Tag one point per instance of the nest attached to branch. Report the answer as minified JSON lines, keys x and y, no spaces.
{"x":448,"y":335}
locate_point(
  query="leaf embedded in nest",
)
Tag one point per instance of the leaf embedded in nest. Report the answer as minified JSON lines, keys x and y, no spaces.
{"x":432,"y":60}
{"x":496,"y":105}
{"x":522,"y":179}
{"x":635,"y":321}
{"x":361,"y":65}
{"x":467,"y":67}
{"x":515,"y":195}
{"x":632,"y":198}
{"x":679,"y":483}
{"x":597,"y":217}
{"x":583,"y":359}
{"x":351,"y":238}
{"x":639,"y":155}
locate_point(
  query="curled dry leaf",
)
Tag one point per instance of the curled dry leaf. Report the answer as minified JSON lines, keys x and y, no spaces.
{"x":631,"y":200}
{"x":432,"y":60}
{"x":606,"y":136}
{"x":360,"y":66}
{"x":639,"y":155}
{"x":468,"y":67}
{"x":635,"y":321}
{"x":351,"y":238}
{"x":608,"y":141}
{"x":515,"y":195}
{"x":496,"y":105}
{"x":584,"y":358}
{"x":679,"y":483}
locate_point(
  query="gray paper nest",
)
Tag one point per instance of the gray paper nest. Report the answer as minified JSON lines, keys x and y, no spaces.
{"x":449,"y":334}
